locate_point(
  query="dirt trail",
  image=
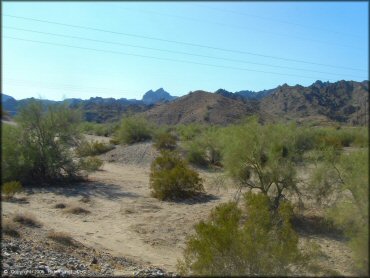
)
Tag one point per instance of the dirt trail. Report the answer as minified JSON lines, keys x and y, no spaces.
{"x":124,"y":219}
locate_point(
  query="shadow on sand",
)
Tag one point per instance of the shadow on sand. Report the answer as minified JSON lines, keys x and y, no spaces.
{"x":317,"y":226}
{"x":84,"y":189}
{"x":200,"y":199}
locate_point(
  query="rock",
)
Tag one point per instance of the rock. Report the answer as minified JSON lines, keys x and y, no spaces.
{"x":94,"y":261}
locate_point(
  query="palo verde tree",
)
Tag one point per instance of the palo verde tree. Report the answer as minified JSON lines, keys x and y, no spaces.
{"x":38,"y":149}
{"x":262,"y":157}
{"x":340,"y":182}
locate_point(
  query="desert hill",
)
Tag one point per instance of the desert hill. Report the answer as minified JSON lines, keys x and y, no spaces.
{"x":201,"y":107}
{"x":342,"y":101}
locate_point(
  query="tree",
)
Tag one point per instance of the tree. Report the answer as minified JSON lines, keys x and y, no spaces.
{"x":39,"y":148}
{"x":342,"y":182}
{"x":253,"y":240}
{"x":263,"y":158}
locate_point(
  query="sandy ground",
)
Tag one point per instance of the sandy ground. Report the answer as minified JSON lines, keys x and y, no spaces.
{"x":126,"y":221}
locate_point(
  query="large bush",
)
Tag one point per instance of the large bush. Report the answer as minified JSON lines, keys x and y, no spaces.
{"x":251,"y":241}
{"x":262,"y":157}
{"x":165,"y":141}
{"x":38,"y":149}
{"x":342,"y":182}
{"x":134,"y":129}
{"x":92,"y":148}
{"x":205,"y":149}
{"x":171,"y":178}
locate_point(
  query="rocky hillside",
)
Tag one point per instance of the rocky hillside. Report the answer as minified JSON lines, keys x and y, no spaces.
{"x":342,"y":101}
{"x":202,"y":107}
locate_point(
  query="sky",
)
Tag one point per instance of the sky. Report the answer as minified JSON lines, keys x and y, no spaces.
{"x":58,"y":50}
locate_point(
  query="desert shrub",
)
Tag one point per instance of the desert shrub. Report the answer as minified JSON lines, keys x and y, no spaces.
{"x":39,"y":148}
{"x":9,"y":228}
{"x":100,"y":129}
{"x":249,"y":241}
{"x":171,"y":178}
{"x":9,"y":189}
{"x":62,"y":238}
{"x":342,"y":184}
{"x":205,"y":149}
{"x":262,"y":157}
{"x":165,"y":141}
{"x":196,"y":154}
{"x":189,"y":131}
{"x":27,"y":220}
{"x":90,"y":164}
{"x":134,"y":129}
{"x":92,"y":148}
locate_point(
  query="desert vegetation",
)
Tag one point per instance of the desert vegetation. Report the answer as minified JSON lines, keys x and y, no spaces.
{"x":277,"y":172}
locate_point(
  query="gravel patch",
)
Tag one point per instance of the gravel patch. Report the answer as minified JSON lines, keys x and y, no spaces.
{"x":137,"y":154}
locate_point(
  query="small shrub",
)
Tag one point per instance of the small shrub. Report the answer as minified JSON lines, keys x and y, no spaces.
{"x":60,"y":206}
{"x":165,"y":141}
{"x":91,"y":164}
{"x":62,"y":238}
{"x":134,"y":130}
{"x":9,"y":228}
{"x":9,"y":189}
{"x":171,"y":178}
{"x":93,"y":148}
{"x":78,"y":210}
{"x":27,"y":220}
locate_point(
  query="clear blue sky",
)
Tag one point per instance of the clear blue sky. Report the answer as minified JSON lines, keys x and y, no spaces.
{"x":324,"y":33}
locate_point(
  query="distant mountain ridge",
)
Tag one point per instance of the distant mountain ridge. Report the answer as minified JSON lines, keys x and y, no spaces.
{"x":342,"y":101}
{"x":96,"y":108}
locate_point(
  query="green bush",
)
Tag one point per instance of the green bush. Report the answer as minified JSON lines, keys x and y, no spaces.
{"x":189,"y":131}
{"x":134,"y":129}
{"x":91,"y":164}
{"x":165,"y":141}
{"x":262,"y":157}
{"x":171,"y":178}
{"x":196,"y":154}
{"x":92,"y":148}
{"x":205,"y":149}
{"x":249,"y":241}
{"x":38,"y":149}
{"x":105,"y":129}
{"x":344,"y":181}
{"x":9,"y":189}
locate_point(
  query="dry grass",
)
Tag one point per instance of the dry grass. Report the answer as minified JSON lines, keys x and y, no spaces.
{"x":60,"y":206}
{"x":27,"y":220}
{"x":9,"y":228}
{"x":78,"y":210}
{"x":62,"y":238}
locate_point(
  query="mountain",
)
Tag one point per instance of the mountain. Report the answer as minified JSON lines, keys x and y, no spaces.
{"x":152,"y":97}
{"x":201,"y":107}
{"x":255,"y":95}
{"x":342,"y":101}
{"x":8,"y":104}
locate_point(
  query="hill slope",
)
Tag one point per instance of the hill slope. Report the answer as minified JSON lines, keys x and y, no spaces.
{"x":342,"y":101}
{"x":201,"y":107}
